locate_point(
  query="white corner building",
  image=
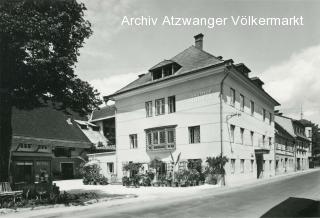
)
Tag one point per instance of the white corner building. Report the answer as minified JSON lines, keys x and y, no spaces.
{"x":199,"y":105}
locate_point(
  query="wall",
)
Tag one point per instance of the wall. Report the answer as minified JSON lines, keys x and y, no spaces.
{"x":197,"y":103}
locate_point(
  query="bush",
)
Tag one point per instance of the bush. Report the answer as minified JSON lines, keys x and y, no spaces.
{"x":215,"y":169}
{"x":91,"y":175}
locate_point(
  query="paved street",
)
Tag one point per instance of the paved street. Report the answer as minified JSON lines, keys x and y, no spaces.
{"x":249,"y":201}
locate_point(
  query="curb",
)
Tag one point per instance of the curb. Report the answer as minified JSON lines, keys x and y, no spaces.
{"x":4,"y":211}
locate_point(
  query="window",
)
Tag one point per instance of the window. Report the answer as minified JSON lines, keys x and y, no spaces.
{"x":133,"y":141}
{"x":110,"y":167}
{"x":149,"y":138}
{"x":172,"y":104}
{"x":171,"y":136}
{"x":233,"y":165}
{"x":251,"y":168}
{"x":264,"y":114}
{"x":264,"y":165}
{"x":149,"y":109}
{"x":270,"y":141}
{"x":232,"y":127}
{"x":241,"y":134}
{"x":160,"y":138}
{"x":160,"y":106}
{"x":232,"y":97}
{"x":251,"y":136}
{"x":270,"y":165}
{"x":252,"y":107}
{"x":194,"y":134}
{"x":241,"y":102}
{"x":242,"y":165}
{"x":263,"y":140}
{"x":270,"y":118}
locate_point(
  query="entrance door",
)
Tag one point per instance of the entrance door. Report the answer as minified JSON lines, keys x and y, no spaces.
{"x":259,"y":161}
{"x":67,"y":170}
{"x":298,"y":164}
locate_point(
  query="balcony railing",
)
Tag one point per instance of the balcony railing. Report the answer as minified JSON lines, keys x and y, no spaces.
{"x":161,"y":147}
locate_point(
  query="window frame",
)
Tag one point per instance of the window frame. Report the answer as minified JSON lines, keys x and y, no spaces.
{"x":242,"y":161}
{"x":241,"y":135}
{"x":151,"y":133}
{"x":148,"y":105}
{"x":192,"y":139}
{"x":242,"y":102}
{"x":162,"y":106}
{"x":252,"y":137}
{"x":170,"y":111}
{"x":233,"y":165}
{"x":252,"y":108}
{"x":232,"y":130}
{"x":232,"y":97}
{"x":133,"y":138}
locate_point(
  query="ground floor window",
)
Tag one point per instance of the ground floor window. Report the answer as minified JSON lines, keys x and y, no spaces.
{"x":23,"y":171}
{"x":110,"y":167}
{"x":270,"y":165}
{"x":233,"y":165}
{"x":242,"y":165}
{"x":252,"y":163}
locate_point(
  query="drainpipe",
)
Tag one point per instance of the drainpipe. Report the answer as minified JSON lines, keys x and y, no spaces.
{"x":221,"y":109}
{"x":221,"y":117}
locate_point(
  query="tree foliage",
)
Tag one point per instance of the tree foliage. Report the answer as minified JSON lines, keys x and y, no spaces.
{"x":39,"y":47}
{"x":40,"y":42}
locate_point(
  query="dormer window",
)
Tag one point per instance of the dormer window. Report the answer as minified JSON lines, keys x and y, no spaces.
{"x":164,"y":69}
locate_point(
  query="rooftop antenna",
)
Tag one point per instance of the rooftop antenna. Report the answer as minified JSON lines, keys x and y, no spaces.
{"x":301,"y":113}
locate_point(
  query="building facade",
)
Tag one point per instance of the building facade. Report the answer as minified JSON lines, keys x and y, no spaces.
{"x":285,"y":145}
{"x":47,"y":144}
{"x":197,"y":105}
{"x":104,"y":140}
{"x":293,"y":141}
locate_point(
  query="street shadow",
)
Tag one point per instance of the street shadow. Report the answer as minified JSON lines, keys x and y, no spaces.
{"x":295,"y":207}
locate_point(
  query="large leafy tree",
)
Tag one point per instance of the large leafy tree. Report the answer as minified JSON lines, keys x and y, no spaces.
{"x":39,"y":46}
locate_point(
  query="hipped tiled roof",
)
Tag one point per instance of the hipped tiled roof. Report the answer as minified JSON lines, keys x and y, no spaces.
{"x":190,"y":59}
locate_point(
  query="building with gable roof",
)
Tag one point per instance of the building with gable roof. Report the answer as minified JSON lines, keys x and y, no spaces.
{"x":197,"y":105}
{"x":47,"y":144}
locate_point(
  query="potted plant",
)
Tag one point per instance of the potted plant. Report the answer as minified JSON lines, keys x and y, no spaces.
{"x":215,"y":171}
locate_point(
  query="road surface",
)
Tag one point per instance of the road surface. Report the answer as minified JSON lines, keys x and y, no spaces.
{"x":249,"y":201}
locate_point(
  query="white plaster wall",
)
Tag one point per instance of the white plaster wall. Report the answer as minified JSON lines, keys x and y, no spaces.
{"x":197,"y":103}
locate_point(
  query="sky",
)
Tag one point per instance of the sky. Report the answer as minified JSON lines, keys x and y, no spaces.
{"x":286,"y":58}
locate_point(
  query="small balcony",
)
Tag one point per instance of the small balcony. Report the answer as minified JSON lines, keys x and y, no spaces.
{"x":262,"y":147}
{"x":161,"y":147}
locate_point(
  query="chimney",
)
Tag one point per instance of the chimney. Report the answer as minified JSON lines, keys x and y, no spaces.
{"x":198,"y":41}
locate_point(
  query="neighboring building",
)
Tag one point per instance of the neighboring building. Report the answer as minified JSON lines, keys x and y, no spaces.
{"x":101,"y":131}
{"x":312,"y":132}
{"x":285,"y":145}
{"x":198,"y":105}
{"x":303,"y":145}
{"x":47,"y":144}
{"x":296,"y":134}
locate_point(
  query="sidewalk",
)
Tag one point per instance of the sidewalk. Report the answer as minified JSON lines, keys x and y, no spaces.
{"x":148,"y":194}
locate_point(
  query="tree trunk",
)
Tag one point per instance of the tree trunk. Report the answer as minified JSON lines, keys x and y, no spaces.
{"x":5,"y":135}
{"x":5,"y":112}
